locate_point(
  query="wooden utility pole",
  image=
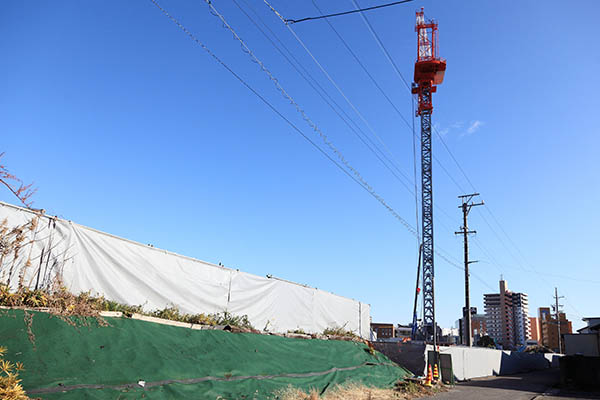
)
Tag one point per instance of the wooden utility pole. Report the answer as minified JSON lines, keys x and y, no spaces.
{"x":466,"y":207}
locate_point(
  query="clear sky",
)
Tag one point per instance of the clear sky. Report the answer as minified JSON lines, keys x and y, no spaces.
{"x":128,"y":126}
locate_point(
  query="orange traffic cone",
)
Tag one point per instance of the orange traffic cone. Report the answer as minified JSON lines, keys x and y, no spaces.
{"x":436,"y":375}
{"x":428,"y":379}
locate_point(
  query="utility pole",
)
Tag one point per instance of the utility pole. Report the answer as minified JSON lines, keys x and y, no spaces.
{"x":556,"y":307}
{"x":464,"y":230}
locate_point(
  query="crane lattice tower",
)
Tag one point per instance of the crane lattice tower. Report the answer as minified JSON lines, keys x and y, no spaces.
{"x":429,"y":72}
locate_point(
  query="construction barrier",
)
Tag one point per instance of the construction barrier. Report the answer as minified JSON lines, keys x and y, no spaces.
{"x":477,"y":362}
{"x":466,"y":363}
{"x":79,"y":358}
{"x":137,"y":274}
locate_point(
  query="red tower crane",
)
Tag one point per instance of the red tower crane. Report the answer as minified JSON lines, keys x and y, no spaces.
{"x":429,"y":72}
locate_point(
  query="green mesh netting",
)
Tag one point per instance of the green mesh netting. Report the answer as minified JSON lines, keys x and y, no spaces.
{"x":177,"y":362}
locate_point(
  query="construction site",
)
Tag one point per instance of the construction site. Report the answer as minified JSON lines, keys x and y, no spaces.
{"x":116,"y":301}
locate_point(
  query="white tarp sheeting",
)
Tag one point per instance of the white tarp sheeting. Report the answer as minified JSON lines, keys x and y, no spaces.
{"x":133,"y":273}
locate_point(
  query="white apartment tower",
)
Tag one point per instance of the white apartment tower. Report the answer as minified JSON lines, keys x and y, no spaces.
{"x":506,"y":315}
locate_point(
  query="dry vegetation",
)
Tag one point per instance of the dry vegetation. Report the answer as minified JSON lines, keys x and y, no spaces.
{"x":353,"y":391}
{"x":61,"y":302}
{"x":339,"y":331}
{"x":10,"y":384}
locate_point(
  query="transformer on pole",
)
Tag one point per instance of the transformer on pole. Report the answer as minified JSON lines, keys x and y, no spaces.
{"x":429,"y":72}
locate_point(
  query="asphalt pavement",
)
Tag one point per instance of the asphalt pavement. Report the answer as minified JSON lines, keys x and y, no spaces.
{"x":539,"y":385}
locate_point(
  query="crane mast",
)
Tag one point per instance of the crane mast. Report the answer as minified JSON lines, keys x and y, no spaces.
{"x":429,"y":72}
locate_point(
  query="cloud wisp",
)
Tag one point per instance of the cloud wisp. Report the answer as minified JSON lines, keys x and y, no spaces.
{"x":474,"y":127}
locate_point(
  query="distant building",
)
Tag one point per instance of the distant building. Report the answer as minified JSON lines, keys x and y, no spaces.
{"x":506,"y":316}
{"x":535,"y":329}
{"x":520,"y":304}
{"x":593,"y":324}
{"x":382,"y":330}
{"x":478,"y":326}
{"x":449,"y":336}
{"x":549,"y":328}
{"x":403,"y":331}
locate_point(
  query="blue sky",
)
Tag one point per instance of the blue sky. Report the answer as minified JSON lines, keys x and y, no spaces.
{"x":126,"y":125}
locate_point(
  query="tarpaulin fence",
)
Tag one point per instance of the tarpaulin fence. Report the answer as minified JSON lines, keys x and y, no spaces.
{"x":133,"y":273}
{"x":91,"y":361}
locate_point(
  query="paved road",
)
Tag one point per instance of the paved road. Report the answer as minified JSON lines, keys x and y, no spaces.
{"x":532,"y":385}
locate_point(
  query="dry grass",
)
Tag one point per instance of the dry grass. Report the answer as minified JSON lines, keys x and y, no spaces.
{"x":10,"y":384}
{"x":339,"y":331}
{"x":353,"y":391}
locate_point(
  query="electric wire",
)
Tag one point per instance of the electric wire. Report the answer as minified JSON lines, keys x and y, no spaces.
{"x":360,"y":63}
{"x":352,"y":105}
{"x":437,"y":251}
{"x":247,"y":85}
{"x":385,"y":95}
{"x":307,"y":119}
{"x":343,"y":95}
{"x":404,"y":182}
{"x":294,"y":21}
{"x":364,"y":68}
{"x":400,"y":75}
{"x":532,"y":269}
{"x":355,"y":176}
{"x":381,"y":46}
{"x":408,"y":86}
{"x":339,"y":89}
{"x":415,"y":192}
{"x":441,"y":139}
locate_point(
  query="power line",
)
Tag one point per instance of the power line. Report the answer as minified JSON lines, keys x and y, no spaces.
{"x":322,"y":95}
{"x":294,"y":21}
{"x":354,"y":176}
{"x":409,"y":125}
{"x":343,"y":95}
{"x":339,"y":89}
{"x":364,"y":68}
{"x":389,"y":58}
{"x":213,"y":55}
{"x":454,"y":158}
{"x":415,"y":192}
{"x":381,"y":46}
{"x":357,"y":177}
{"x":390,"y":102}
{"x":387,"y":55}
{"x":376,"y":84}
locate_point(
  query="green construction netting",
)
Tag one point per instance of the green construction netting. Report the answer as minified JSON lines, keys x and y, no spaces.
{"x":127,"y":351}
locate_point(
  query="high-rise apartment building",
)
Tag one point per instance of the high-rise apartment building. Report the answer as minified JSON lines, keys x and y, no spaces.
{"x":506,"y":315}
